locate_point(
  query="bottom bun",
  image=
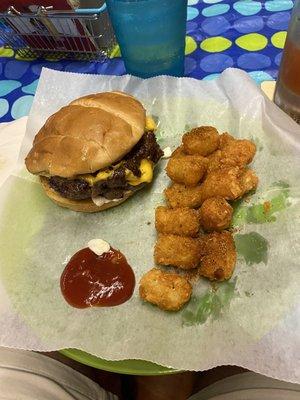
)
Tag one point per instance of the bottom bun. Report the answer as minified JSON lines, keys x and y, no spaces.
{"x":79,"y":205}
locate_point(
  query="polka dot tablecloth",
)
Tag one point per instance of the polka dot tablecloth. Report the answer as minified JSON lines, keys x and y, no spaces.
{"x":246,"y":34}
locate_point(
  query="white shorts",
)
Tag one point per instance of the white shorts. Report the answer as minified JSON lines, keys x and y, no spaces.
{"x":249,"y":386}
{"x":25,"y":375}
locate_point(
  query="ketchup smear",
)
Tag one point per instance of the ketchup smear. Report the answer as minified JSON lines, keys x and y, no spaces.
{"x":90,"y":280}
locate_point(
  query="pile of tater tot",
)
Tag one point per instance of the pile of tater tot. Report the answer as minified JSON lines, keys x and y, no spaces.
{"x":208,"y":170}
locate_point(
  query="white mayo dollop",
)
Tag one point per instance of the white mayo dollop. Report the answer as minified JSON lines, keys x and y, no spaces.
{"x":167,"y":152}
{"x":99,"y":200}
{"x":99,"y":246}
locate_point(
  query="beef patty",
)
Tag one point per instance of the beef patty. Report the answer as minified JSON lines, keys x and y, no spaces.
{"x":115,"y":186}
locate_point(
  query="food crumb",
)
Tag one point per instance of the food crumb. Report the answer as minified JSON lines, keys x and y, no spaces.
{"x":192,"y":275}
{"x":267,"y":207}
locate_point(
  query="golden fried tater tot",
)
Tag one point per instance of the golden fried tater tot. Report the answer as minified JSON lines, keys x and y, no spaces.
{"x":215,"y":214}
{"x":179,"y":251}
{"x":218,"y":256}
{"x":167,"y":291}
{"x":225,"y":139}
{"x":183,"y":196}
{"x":249,"y":180}
{"x":203,"y":140}
{"x":240,"y":151}
{"x":177,"y":221}
{"x":178,"y":152}
{"x":224,"y":182}
{"x":216,"y":160}
{"x":188,"y":170}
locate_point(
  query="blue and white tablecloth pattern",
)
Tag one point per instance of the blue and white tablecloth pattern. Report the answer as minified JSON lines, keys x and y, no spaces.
{"x":246,"y":34}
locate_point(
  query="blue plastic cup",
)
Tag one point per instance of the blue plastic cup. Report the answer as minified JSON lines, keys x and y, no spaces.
{"x":151,"y":35}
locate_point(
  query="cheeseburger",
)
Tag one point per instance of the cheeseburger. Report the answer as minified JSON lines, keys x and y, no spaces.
{"x":95,"y":152}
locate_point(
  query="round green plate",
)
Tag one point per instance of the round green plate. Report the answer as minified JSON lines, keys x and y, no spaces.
{"x":131,"y":367}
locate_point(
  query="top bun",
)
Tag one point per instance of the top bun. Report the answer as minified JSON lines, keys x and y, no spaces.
{"x":89,"y":134}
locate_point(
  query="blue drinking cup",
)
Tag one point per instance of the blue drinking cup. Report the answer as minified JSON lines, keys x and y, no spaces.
{"x":151,"y":35}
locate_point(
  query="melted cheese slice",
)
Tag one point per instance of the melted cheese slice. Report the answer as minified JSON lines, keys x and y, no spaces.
{"x":150,"y":124}
{"x":146,"y":168}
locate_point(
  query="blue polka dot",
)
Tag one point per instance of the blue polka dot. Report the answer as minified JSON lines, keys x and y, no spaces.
{"x":37,"y":68}
{"x":216,"y":9}
{"x":278,"y":58}
{"x":211,"y":77}
{"x":4,"y":107}
{"x":15,"y":69}
{"x":253,"y":61}
{"x":192,"y":13}
{"x":249,"y":24}
{"x":192,"y":2}
{"x":216,"y":62}
{"x":81,"y":66}
{"x":279,"y":21}
{"x":198,"y":36}
{"x":7,"y":86}
{"x":112,"y":67}
{"x":211,"y":1}
{"x":260,"y":76}
{"x":21,"y":107}
{"x":31,"y":88}
{"x":247,"y":7}
{"x":215,"y":25}
{"x":190,"y":27}
{"x":189,"y":65}
{"x":278,"y":5}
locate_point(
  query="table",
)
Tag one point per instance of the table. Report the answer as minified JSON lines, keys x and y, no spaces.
{"x":220,"y":33}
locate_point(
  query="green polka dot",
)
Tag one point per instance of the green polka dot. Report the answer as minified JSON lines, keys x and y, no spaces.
{"x":54,"y":57}
{"x":116,"y":52}
{"x":23,"y":58}
{"x":252,"y":42}
{"x":6,"y":52}
{"x":190,"y":45}
{"x":215,"y":44}
{"x":278,"y":39}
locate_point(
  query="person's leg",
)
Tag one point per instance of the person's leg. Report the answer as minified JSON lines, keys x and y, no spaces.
{"x":247,"y":385}
{"x":26,"y":372}
{"x":176,"y":386}
{"x":107,"y":380}
{"x":168,"y":387}
{"x":206,"y":378}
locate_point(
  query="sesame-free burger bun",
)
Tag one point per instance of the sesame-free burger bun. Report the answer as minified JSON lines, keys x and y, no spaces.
{"x":79,"y":205}
{"x":87,"y":135}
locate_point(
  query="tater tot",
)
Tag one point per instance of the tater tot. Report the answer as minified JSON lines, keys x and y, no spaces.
{"x":241,"y":151}
{"x":215,"y":214}
{"x":203,"y":140}
{"x":249,"y":180}
{"x":188,"y":170}
{"x":217,"y":161}
{"x":178,"y":152}
{"x":177,"y":221}
{"x":168,"y":291}
{"x":218,"y":256}
{"x":233,"y":152}
{"x":184,"y":196}
{"x":179,"y":251}
{"x":225,"y":139}
{"x":224,"y":182}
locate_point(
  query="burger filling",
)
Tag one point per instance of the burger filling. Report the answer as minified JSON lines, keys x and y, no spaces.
{"x":135,"y":169}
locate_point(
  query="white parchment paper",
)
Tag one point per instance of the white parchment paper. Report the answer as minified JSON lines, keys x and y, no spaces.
{"x":252,"y":321}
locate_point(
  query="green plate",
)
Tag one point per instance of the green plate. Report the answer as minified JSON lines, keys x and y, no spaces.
{"x":130,"y":367}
